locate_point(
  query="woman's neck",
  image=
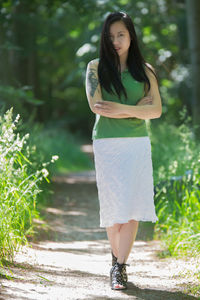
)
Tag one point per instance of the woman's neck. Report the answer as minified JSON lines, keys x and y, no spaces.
{"x":123,"y":62}
{"x":123,"y":67}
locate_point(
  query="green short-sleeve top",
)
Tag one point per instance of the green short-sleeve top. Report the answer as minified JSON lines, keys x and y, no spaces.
{"x":105,"y":127}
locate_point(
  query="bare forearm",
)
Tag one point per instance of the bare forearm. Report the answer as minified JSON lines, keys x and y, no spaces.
{"x":111,"y":115}
{"x":146,"y":108}
{"x":117,"y":110}
{"x":143,"y":111}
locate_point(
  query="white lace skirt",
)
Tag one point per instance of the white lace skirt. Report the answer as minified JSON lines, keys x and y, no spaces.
{"x":124,"y":176}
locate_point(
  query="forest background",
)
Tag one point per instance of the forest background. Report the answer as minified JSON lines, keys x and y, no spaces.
{"x":45,"y":47}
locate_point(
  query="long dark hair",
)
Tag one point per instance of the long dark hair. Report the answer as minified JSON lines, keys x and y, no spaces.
{"x":109,"y":63}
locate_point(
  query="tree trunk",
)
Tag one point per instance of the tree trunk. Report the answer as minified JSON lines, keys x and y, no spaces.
{"x":25,"y":32}
{"x":193,"y":23}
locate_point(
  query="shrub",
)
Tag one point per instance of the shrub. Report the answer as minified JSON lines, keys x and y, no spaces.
{"x":177,"y":178}
{"x":19,"y":186}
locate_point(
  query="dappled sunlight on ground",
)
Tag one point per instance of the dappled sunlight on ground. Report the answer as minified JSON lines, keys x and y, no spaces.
{"x":71,"y":258}
{"x":74,"y":178}
{"x":79,"y":270}
{"x":58,"y":212}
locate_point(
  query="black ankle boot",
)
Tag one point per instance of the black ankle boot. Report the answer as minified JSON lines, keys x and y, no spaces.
{"x":114,"y":260}
{"x":124,"y":273}
{"x":117,"y":277}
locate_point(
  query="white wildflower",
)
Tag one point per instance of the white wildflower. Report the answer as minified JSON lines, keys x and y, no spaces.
{"x":26,"y":136}
{"x":45,"y":172}
{"x":17,"y":118}
{"x":54,"y":157}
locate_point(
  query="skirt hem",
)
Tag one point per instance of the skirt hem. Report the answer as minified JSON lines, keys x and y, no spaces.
{"x":104,"y":225}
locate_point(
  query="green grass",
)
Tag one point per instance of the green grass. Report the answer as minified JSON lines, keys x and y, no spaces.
{"x":175,"y":152}
{"x":19,"y":187}
{"x":55,"y":140}
{"x":27,"y":162}
{"x":176,"y":162}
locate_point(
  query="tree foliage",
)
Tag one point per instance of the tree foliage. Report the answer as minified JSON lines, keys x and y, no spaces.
{"x":47,"y":44}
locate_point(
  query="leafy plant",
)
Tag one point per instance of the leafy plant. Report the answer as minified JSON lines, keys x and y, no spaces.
{"x":177,"y":195}
{"x":19,"y":186}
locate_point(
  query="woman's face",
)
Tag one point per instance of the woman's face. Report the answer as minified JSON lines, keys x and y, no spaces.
{"x":120,"y":38}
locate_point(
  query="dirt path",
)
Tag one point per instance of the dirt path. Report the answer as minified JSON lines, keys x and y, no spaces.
{"x":72,"y":259}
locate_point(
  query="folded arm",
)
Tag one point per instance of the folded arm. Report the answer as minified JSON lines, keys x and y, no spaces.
{"x":94,"y":95}
{"x":148,"y":111}
{"x":149,"y":107}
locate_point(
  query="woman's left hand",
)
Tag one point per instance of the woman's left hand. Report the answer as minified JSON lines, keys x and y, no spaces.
{"x":109,"y":107}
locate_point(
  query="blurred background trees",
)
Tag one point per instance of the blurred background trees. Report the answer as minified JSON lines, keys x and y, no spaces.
{"x":193,"y":12}
{"x":45,"y":46}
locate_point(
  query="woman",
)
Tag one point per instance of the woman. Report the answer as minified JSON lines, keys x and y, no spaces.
{"x":122,"y":91}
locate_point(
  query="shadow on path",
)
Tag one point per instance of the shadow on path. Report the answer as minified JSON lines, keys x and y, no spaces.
{"x":74,"y":214}
{"x":70,"y":259}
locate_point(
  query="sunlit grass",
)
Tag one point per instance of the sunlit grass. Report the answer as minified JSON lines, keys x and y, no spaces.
{"x":26,"y":159}
{"x":20,"y":182}
{"x":177,"y":178}
{"x":52,"y":140}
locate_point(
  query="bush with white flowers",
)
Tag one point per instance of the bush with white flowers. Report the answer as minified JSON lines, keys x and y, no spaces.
{"x":19,"y":186}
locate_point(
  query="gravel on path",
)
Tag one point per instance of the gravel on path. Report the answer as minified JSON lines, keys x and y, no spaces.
{"x":71,"y":258}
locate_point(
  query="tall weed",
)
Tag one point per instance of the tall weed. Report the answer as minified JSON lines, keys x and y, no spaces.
{"x":177,"y":195}
{"x":20,"y":182}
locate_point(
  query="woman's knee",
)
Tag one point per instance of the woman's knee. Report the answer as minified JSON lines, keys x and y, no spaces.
{"x":116,"y":227}
{"x":130,"y":224}
{"x":133,"y":221}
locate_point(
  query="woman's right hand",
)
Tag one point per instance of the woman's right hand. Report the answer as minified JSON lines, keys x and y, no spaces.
{"x":145,"y":101}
